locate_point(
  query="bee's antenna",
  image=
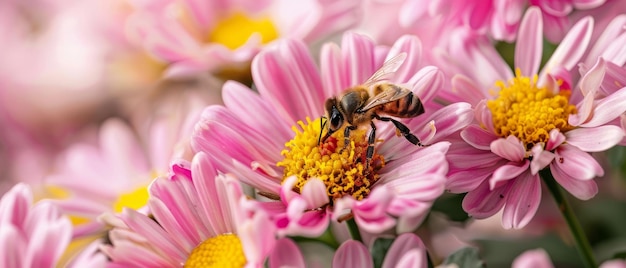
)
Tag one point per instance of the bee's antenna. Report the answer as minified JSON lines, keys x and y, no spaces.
{"x":322,"y":124}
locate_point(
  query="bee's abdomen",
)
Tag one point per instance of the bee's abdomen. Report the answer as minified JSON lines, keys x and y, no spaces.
{"x":406,"y":107}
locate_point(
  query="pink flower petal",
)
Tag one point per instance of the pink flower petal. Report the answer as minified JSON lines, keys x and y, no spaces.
{"x":537,"y":258}
{"x":412,"y":46}
{"x":371,"y":213}
{"x":449,"y":120}
{"x":358,"y":58}
{"x":607,"y":38}
{"x":522,"y":202}
{"x":49,"y":238}
{"x":572,"y":48}
{"x":287,"y":77}
{"x":541,"y":158}
{"x":556,"y":139}
{"x":529,"y":48}
{"x":483,"y":203}
{"x":332,"y":70}
{"x":13,"y":247}
{"x":352,"y":254}
{"x":467,"y":89}
{"x":257,"y":235}
{"x":412,"y":258}
{"x":427,"y":82}
{"x":405,"y":245}
{"x":467,"y":180}
{"x":286,"y":254}
{"x":15,"y":205}
{"x":510,"y":148}
{"x":583,"y":190}
{"x":248,"y":107}
{"x":314,"y":192}
{"x":148,"y":228}
{"x":478,"y":137}
{"x":211,"y":134}
{"x":576,"y":163}
{"x":592,"y":80}
{"x":608,"y":109}
{"x":595,"y":139}
{"x":306,"y":220}
{"x":507,"y":172}
{"x":204,"y":179}
{"x":458,"y":157}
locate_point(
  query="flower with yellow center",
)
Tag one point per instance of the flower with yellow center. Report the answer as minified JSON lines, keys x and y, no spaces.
{"x":529,"y":112}
{"x":260,"y":138}
{"x":538,"y":121}
{"x":199,"y":221}
{"x":222,"y":37}
{"x":341,"y":167}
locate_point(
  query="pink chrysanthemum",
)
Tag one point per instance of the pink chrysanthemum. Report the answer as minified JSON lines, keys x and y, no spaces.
{"x":31,"y":235}
{"x":91,"y":179}
{"x":407,"y":250}
{"x":253,"y":137}
{"x":528,"y":123}
{"x":223,"y":36}
{"x":441,"y":22}
{"x":200,"y":219}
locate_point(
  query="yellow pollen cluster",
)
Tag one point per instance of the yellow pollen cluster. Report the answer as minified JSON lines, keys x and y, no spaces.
{"x":220,"y":251}
{"x":234,"y":31}
{"x":527,"y":112}
{"x":341,"y":169}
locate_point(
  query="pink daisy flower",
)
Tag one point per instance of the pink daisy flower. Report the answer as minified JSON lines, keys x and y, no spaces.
{"x":31,"y":234}
{"x":223,"y":36}
{"x":253,"y":137}
{"x":407,"y":250}
{"x":114,"y":172}
{"x":497,"y":20}
{"x":530,"y":122}
{"x":200,"y":218}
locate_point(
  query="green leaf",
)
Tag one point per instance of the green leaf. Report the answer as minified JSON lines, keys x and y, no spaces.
{"x":450,"y":205}
{"x":466,"y":258}
{"x":379,"y":250}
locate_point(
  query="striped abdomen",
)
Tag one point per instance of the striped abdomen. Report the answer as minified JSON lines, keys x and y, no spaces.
{"x":405,"y":107}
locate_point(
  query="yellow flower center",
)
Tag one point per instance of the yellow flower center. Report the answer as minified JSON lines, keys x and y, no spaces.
{"x":528,"y":112}
{"x":343,"y":170}
{"x":234,"y":31}
{"x":220,"y":251}
{"x":135,"y":199}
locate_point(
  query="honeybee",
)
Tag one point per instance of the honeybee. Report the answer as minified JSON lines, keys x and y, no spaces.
{"x":360,"y":105}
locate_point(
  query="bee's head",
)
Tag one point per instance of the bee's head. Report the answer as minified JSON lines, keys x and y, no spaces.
{"x":334,"y":118}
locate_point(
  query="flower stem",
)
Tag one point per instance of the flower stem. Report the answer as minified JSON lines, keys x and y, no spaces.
{"x":582,"y":243}
{"x":354,"y":230}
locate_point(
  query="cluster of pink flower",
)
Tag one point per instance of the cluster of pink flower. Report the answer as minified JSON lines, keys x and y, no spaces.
{"x":197,"y":133}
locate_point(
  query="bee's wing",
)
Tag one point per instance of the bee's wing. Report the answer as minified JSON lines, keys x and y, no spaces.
{"x":392,"y":93}
{"x":389,"y":67}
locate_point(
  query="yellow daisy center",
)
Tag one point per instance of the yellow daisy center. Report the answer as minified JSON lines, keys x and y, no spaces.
{"x":220,"y":251}
{"x":234,"y":30}
{"x":134,"y":199}
{"x":342,"y":169}
{"x":528,"y":112}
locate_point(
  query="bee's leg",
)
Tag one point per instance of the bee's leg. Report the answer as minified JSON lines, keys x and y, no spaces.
{"x":346,"y":136}
{"x":403,"y":129}
{"x":370,"y":146}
